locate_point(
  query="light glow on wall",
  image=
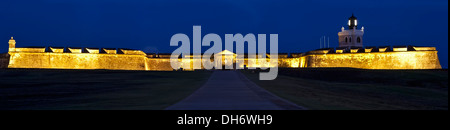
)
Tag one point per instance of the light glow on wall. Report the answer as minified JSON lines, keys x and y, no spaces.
{"x":137,"y":60}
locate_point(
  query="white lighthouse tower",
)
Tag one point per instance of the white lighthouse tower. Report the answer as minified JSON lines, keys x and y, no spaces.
{"x":353,"y":37}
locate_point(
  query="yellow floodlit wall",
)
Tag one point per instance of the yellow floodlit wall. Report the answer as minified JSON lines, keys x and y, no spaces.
{"x":76,"y":61}
{"x":302,"y":62}
{"x":159,"y":64}
{"x":368,"y":60}
{"x":289,"y":62}
{"x":399,"y":58}
{"x":377,"y":60}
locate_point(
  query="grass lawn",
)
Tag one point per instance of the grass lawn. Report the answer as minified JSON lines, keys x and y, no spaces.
{"x":339,"y":89}
{"x":95,"y":89}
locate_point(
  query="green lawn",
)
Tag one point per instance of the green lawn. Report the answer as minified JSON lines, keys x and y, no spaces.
{"x":95,"y":89}
{"x":372,"y":89}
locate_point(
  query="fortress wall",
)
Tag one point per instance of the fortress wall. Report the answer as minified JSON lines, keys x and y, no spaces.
{"x":77,"y":61}
{"x":159,"y":64}
{"x":282,"y":62}
{"x":254,"y":63}
{"x":288,"y":62}
{"x":292,"y":62}
{"x":163,"y":64}
{"x":374,"y":60}
{"x":377,"y":60}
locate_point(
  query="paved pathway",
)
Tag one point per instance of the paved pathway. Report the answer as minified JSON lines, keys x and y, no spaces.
{"x":231,"y":90}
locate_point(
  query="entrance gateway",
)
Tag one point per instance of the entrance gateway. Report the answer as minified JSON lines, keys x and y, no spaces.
{"x":228,"y":59}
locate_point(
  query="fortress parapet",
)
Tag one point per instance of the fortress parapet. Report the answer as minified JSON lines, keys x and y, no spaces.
{"x":297,"y":55}
{"x":400,"y":48}
{"x":424,"y":48}
{"x":132,"y":52}
{"x":369,"y":49}
{"x":109,"y":50}
{"x":399,"y":57}
{"x":31,"y":49}
{"x":57,"y":49}
{"x":93,"y":50}
{"x":356,"y":50}
{"x":75,"y":49}
{"x":321,"y":51}
{"x":343,"y":50}
{"x":282,"y":55}
{"x":384,"y":49}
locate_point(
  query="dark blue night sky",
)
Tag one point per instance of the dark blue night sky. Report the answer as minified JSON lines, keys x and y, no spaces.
{"x":149,"y":24}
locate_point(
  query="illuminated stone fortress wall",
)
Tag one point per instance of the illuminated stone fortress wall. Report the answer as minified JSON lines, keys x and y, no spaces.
{"x":350,"y":53}
{"x":401,"y":57}
{"x":75,"y":58}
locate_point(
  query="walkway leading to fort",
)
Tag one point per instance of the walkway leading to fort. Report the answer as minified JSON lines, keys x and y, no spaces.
{"x":231,"y":90}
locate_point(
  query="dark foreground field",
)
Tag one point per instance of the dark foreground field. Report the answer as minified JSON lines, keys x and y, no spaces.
{"x":341,"y":88}
{"x":95,"y":89}
{"x":334,"y":88}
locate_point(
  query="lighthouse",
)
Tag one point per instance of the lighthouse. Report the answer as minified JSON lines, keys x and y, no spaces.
{"x":351,"y":37}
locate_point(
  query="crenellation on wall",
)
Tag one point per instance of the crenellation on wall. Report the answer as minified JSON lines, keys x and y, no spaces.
{"x":384,"y":49}
{"x":93,"y":50}
{"x":400,"y":48}
{"x":57,"y":49}
{"x":109,"y":50}
{"x":416,"y":48}
{"x":369,"y":49}
{"x":132,"y":52}
{"x":75,"y":49}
